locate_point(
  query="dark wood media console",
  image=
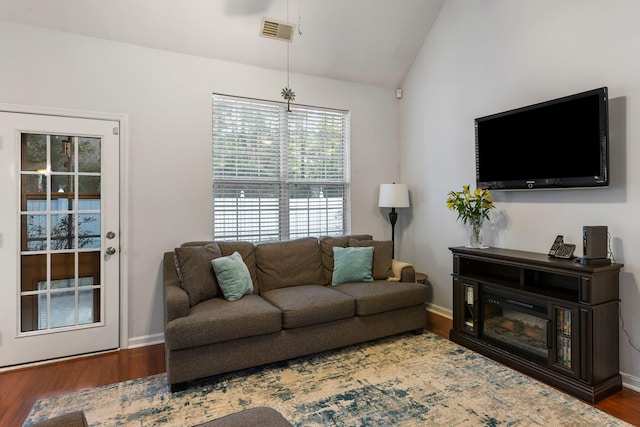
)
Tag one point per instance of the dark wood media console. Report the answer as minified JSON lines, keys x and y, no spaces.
{"x":553,"y":319}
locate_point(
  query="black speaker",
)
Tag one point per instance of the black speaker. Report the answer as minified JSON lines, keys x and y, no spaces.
{"x":594,"y":241}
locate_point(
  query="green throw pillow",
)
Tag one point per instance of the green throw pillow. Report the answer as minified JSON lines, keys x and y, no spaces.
{"x":352,"y":265}
{"x":233,"y":276}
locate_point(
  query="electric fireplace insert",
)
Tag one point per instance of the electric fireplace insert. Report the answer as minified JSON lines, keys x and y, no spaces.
{"x":519,"y":325}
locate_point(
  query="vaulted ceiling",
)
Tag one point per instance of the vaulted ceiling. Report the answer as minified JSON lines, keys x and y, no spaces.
{"x":366,"y":41}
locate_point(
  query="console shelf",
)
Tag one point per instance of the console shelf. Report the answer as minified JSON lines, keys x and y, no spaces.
{"x":553,"y":319}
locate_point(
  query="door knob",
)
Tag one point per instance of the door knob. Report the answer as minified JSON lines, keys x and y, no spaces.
{"x":110,"y":251}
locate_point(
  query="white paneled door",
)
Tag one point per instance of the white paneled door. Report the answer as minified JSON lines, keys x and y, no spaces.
{"x":59,"y":237}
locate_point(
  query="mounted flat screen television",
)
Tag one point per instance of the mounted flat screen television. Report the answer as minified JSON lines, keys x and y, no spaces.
{"x":562,"y":143}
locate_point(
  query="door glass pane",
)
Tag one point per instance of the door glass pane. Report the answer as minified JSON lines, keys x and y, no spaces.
{"x":29,"y":313}
{"x":62,"y":309}
{"x":62,"y":154}
{"x":34,"y":232}
{"x":88,"y":309}
{"x":89,"y":231}
{"x":62,"y":270}
{"x":34,"y":272}
{"x":35,"y":192}
{"x":88,"y":268}
{"x":89,"y":155}
{"x":89,"y":185}
{"x":63,"y":231}
{"x":34,"y":152}
{"x":62,"y":186}
{"x":60,"y":214}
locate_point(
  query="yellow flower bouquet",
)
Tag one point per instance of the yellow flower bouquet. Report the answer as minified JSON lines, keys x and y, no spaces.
{"x":472,"y":207}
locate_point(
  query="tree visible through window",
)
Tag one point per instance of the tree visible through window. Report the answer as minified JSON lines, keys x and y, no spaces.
{"x":278,"y":175}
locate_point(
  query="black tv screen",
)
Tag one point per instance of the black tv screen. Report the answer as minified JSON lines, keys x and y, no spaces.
{"x":562,"y":143}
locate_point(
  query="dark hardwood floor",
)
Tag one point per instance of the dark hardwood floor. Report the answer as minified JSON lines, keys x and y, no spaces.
{"x":21,"y":388}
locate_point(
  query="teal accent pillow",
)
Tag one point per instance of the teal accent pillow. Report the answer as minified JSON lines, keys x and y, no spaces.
{"x":233,"y":276}
{"x":352,"y":265}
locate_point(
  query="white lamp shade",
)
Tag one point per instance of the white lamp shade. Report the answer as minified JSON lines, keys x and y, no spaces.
{"x":394,"y":196}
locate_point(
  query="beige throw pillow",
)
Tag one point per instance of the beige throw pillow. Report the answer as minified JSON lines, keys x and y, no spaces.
{"x":381,"y":256}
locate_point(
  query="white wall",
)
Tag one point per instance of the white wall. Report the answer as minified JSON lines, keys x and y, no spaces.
{"x":493,"y":55}
{"x":167,"y":98}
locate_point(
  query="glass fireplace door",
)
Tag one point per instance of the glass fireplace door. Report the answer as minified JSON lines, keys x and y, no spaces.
{"x":516,"y":324}
{"x":566,"y":356}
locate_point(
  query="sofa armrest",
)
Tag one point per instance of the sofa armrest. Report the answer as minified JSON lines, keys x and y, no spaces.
{"x":176,"y":299}
{"x":407,"y":271}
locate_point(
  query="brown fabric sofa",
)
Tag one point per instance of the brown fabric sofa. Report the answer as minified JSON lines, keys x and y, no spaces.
{"x":70,"y":419}
{"x":254,"y":417}
{"x":294,"y":309}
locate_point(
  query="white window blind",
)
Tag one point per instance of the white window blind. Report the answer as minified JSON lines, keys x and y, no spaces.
{"x":278,"y":175}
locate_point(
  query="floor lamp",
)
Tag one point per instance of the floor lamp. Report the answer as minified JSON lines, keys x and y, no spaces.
{"x":393,"y":196}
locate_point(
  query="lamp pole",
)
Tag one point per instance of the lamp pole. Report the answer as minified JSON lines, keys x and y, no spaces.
{"x":393,"y":218}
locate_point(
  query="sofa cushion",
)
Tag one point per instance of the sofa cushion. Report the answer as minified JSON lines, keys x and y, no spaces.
{"x":310,"y":304}
{"x":382,"y":251}
{"x":193,"y":265}
{"x":326,"y":247}
{"x":352,"y":265}
{"x":248,"y":252}
{"x":233,"y":276}
{"x":218,"y":320}
{"x":290,"y":263}
{"x":380,"y":295}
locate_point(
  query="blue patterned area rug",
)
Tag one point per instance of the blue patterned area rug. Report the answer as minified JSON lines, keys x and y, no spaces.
{"x":406,"y":380}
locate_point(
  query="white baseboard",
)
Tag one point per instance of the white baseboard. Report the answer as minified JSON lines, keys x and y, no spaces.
{"x":146,"y":340}
{"x":441,"y":311}
{"x":631,"y":382}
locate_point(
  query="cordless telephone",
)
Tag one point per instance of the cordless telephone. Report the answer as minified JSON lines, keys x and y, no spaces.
{"x":559,"y":249}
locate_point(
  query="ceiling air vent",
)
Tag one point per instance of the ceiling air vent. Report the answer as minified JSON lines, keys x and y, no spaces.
{"x":273,"y":29}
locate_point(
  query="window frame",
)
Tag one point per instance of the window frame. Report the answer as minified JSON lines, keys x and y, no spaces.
{"x":337,"y":181}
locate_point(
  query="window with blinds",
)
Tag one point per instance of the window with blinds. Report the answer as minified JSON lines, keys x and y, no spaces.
{"x":278,"y":175}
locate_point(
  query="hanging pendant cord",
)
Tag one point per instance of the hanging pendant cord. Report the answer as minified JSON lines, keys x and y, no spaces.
{"x":299,"y":17}
{"x":288,"y":43}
